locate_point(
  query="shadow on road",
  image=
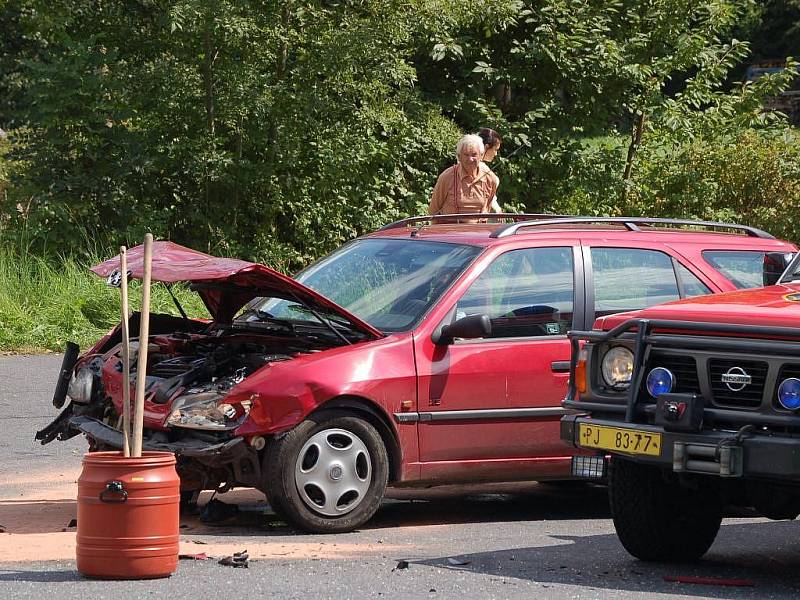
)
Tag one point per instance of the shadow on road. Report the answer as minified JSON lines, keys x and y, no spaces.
{"x":40,"y":576}
{"x":495,"y":503}
{"x":743,"y":551}
{"x":442,"y":505}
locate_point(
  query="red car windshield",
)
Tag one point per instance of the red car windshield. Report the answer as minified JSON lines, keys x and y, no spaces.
{"x":390,"y":284}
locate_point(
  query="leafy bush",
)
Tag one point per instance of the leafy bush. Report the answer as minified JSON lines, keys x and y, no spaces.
{"x":752,"y":177}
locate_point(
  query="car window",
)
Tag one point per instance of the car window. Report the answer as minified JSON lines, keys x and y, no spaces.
{"x":631,"y":278}
{"x":528,"y":292}
{"x":744,"y":268}
{"x":390,"y":284}
{"x":691,"y":285}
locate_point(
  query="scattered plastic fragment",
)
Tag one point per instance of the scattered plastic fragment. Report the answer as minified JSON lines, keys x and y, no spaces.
{"x":200,"y":556}
{"x":237,"y":560}
{"x":73,"y":523}
{"x":710,"y":580}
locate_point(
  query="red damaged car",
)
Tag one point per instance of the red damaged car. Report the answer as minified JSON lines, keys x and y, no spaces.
{"x":425,"y":353}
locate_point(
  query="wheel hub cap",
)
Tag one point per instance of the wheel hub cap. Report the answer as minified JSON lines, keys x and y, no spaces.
{"x":333,"y":472}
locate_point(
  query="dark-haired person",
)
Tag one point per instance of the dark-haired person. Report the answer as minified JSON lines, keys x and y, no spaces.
{"x":465,"y":187}
{"x":491,"y":144}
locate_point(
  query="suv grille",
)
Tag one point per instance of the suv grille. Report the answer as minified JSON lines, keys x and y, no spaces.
{"x":683,"y":367}
{"x":736,"y":394}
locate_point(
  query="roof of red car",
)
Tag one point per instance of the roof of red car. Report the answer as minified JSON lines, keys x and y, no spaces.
{"x":479,"y":234}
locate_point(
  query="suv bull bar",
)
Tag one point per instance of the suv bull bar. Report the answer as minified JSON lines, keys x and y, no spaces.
{"x":708,"y":450}
{"x":734,"y":338}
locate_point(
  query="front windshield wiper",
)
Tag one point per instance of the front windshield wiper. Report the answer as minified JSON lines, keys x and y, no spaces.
{"x":263,"y":316}
{"x":337,"y":319}
{"x":323,"y":320}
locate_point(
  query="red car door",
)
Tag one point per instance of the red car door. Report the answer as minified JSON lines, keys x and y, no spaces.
{"x":490,"y":408}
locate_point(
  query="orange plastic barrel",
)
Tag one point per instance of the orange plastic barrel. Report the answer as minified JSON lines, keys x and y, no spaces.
{"x":128,"y":521}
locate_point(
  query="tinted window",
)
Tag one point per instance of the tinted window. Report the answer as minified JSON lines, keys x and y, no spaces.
{"x":692,"y":286}
{"x":525,"y":293}
{"x":629,"y":279}
{"x":745,"y":268}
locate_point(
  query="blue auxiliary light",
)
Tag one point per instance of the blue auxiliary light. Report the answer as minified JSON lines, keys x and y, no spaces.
{"x":789,"y":393}
{"x":661,"y":381}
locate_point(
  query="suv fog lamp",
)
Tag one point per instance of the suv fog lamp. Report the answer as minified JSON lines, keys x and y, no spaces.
{"x":660,"y":381}
{"x":617,"y":367}
{"x":789,"y":393}
{"x":589,"y":467}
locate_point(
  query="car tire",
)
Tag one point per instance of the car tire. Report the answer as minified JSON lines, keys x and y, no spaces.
{"x":328,"y":474}
{"x":657,"y":520}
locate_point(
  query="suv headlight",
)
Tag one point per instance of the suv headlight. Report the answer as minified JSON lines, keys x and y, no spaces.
{"x":80,"y":385}
{"x":205,"y":409}
{"x":617,"y":367}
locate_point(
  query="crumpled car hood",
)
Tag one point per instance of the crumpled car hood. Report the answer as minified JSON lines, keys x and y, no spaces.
{"x":230,"y":283}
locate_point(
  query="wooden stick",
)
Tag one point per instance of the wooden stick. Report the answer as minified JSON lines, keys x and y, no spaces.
{"x":144,"y":335}
{"x":126,"y":354}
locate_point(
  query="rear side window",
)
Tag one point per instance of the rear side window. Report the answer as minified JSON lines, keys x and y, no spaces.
{"x":744,"y":268}
{"x":631,"y":278}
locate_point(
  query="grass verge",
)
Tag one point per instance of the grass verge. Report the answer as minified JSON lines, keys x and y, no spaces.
{"x":43,"y":305}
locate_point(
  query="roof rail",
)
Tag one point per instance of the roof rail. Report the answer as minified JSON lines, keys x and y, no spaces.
{"x":454,"y":218}
{"x":631,"y":223}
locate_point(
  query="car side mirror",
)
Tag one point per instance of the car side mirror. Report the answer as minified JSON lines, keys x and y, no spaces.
{"x":471,"y":327}
{"x":775,"y":264}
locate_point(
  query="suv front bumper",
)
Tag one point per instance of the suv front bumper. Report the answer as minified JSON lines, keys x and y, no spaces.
{"x":751,"y":454}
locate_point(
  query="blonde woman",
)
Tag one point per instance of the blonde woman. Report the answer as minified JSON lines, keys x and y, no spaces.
{"x":466,"y":187}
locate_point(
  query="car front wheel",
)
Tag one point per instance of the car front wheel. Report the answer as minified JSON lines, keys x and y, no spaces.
{"x":328,"y":474}
{"x":658,"y":520}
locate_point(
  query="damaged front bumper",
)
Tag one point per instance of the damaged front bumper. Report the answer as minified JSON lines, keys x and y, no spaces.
{"x":108,"y":436}
{"x":68,"y":425}
{"x":201,"y":464}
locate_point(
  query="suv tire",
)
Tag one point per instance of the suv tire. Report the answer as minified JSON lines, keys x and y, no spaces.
{"x":311,"y":467}
{"x":657,"y":520}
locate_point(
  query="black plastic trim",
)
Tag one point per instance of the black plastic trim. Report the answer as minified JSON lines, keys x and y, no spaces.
{"x":482,"y":415}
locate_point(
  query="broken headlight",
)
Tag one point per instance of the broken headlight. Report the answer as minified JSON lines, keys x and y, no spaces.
{"x":206,"y":409}
{"x":81,"y":385}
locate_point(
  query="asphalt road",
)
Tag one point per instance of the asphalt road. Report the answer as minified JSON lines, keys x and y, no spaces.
{"x":503,"y":542}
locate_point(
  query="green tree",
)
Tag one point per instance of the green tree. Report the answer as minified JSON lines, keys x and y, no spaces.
{"x":274,"y":131}
{"x":560,"y":73}
{"x":278,"y":130}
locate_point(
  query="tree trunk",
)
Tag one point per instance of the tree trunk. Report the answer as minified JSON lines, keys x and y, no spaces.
{"x":636,"y":140}
{"x":281,"y":66}
{"x":210,"y":55}
{"x":208,"y":77}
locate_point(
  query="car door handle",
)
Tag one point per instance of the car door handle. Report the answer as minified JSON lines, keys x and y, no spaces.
{"x":560,"y":366}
